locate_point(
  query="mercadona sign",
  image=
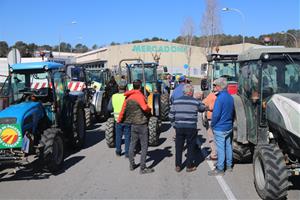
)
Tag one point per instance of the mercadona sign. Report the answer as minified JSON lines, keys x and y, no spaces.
{"x":10,"y":136}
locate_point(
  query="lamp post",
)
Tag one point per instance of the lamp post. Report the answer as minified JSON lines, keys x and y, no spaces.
{"x":72,"y":23}
{"x":243,"y":18}
{"x":293,"y":36}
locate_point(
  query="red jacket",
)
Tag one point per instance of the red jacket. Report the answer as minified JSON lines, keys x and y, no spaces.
{"x":135,"y":108}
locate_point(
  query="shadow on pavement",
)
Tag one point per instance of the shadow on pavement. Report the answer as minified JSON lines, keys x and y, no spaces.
{"x":165,"y":126}
{"x":158,"y":155}
{"x":295,"y":180}
{"x":93,"y":138}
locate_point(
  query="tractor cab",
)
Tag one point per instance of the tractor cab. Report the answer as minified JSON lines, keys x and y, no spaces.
{"x":222,"y":65}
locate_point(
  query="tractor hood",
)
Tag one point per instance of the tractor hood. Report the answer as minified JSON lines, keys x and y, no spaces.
{"x":284,"y":110}
{"x":15,"y":114}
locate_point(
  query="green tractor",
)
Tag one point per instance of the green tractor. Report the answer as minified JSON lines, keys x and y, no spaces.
{"x":88,"y":82}
{"x":41,"y":115}
{"x":266,"y":126}
{"x":157,"y":98}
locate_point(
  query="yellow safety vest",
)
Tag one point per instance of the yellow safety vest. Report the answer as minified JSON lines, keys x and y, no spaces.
{"x":117,"y":103}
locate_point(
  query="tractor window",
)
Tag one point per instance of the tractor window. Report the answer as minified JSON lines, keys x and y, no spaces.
{"x":226,"y":69}
{"x":137,"y":73}
{"x":77,"y":74}
{"x":59,"y":87}
{"x":279,"y":76}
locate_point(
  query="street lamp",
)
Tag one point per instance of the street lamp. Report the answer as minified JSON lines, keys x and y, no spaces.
{"x":243,"y":18}
{"x":72,"y":23}
{"x":294,"y":37}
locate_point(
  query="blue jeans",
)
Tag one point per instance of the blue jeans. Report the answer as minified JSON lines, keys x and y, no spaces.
{"x":121,"y":129}
{"x":224,"y":148}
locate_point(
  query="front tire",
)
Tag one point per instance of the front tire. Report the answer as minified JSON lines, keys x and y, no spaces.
{"x":88,"y":118}
{"x":153,"y":131}
{"x":270,"y":172}
{"x":52,"y":154}
{"x":78,"y":125}
{"x":110,"y":132}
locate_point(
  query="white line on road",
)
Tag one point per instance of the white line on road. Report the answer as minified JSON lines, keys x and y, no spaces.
{"x":222,"y":183}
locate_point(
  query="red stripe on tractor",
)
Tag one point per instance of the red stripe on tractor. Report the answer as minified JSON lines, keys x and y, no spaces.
{"x":36,"y":86}
{"x":43,"y":85}
{"x":76,"y":86}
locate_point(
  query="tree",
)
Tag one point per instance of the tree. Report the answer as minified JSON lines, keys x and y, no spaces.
{"x":22,"y":47}
{"x":95,"y":46}
{"x":3,"y":49}
{"x":187,"y":35}
{"x":210,"y":26}
{"x":65,"y":47}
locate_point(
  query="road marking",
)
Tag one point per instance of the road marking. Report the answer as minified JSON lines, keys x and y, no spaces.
{"x":226,"y":189}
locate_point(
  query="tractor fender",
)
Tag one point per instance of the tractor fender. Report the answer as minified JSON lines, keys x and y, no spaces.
{"x":240,"y":116}
{"x":156,"y":105}
{"x":97,"y":101}
{"x":78,"y":95}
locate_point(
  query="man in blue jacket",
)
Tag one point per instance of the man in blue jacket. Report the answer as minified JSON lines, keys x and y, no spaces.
{"x":222,"y":124}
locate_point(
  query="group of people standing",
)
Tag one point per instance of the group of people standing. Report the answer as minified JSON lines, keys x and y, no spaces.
{"x":131,"y":114}
{"x":184,"y":117}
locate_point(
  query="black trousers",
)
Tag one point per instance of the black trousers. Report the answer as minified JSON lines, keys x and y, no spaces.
{"x":188,"y":134}
{"x":139,"y":132}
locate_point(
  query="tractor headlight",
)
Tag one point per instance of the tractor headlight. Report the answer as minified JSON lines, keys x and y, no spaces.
{"x":11,"y":69}
{"x":266,"y":56}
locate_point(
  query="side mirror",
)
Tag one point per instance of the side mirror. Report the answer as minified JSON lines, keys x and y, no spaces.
{"x":204,"y":84}
{"x":165,"y":69}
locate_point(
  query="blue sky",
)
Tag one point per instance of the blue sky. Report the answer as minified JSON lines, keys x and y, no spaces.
{"x":104,"y":21}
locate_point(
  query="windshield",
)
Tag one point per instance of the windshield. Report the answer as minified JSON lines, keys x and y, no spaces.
{"x":137,"y":73}
{"x":281,"y":76}
{"x":225,"y":69}
{"x":25,"y":82}
{"x":95,"y":75}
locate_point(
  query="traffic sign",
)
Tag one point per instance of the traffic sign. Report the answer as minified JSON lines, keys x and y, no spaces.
{"x":185,"y":66}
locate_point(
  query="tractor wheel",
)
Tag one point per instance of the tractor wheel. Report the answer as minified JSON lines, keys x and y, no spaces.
{"x":52,"y":153}
{"x":241,"y":152}
{"x":88,"y":118}
{"x":153,"y":131}
{"x":270,"y":172}
{"x":110,"y":132}
{"x":78,"y":125}
{"x":165,"y":107}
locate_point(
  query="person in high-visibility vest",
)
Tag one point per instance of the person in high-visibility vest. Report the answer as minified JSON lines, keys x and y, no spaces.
{"x":115,"y":104}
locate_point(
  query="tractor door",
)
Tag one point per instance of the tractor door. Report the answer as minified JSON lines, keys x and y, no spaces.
{"x":250,"y":95}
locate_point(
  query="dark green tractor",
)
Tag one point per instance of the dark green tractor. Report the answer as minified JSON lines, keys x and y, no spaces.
{"x":266,"y":126}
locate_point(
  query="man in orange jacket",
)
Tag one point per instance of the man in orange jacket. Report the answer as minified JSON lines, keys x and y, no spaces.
{"x":136,"y":112}
{"x":209,"y":101}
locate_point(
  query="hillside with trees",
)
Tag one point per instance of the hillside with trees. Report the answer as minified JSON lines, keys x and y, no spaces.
{"x":27,"y":50}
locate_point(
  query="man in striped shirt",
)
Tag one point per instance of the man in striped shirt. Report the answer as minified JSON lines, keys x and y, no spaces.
{"x":184,"y":117}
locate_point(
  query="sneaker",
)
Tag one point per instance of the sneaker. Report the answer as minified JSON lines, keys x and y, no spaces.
{"x":146,"y":170}
{"x":216,"y":172}
{"x":118,"y":153}
{"x":132,"y":167}
{"x":177,"y":169}
{"x":229,"y":169}
{"x":191,"y":169}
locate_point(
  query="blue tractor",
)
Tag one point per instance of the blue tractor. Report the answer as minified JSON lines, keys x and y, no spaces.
{"x":42,"y":115}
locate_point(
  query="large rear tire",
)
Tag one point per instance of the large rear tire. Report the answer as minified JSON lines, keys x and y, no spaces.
{"x":52,"y":152}
{"x":110,"y":132}
{"x":270,"y":172}
{"x":78,"y":125}
{"x":153,"y":131}
{"x":165,"y":106}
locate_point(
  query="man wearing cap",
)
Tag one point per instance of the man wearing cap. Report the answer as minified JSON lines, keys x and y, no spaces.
{"x":222,"y":124}
{"x":115,"y":104}
{"x":136,"y":112}
{"x":178,"y":92}
{"x":184,"y":117}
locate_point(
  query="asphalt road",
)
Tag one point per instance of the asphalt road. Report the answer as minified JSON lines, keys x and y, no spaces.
{"x":96,"y":172}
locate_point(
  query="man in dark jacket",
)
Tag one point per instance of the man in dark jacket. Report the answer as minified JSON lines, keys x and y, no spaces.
{"x":222,"y":123}
{"x":136,"y":112}
{"x":184,"y":117}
